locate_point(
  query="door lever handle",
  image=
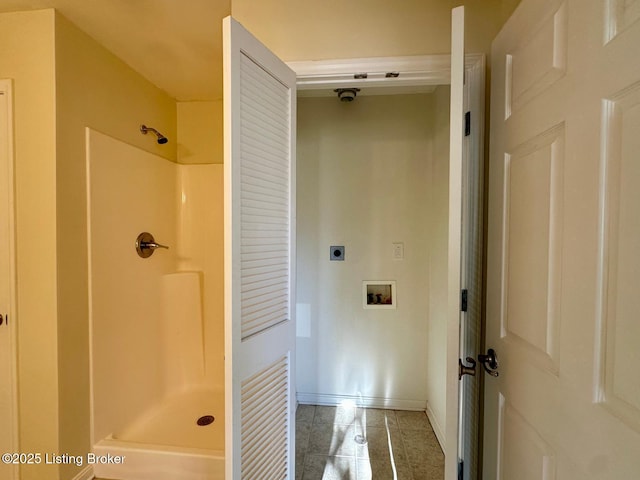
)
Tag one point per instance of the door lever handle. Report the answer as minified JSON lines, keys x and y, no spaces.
{"x":490,"y":362}
{"x":465,"y":370}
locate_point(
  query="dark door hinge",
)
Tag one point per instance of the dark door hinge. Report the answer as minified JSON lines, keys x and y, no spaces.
{"x":463,"y":300}
{"x":467,"y":124}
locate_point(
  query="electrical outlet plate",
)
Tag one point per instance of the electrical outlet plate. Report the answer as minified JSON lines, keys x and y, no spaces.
{"x":398,"y":251}
{"x":336,"y":253}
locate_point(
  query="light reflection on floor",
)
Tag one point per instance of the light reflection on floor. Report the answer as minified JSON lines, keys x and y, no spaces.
{"x":349,"y":443}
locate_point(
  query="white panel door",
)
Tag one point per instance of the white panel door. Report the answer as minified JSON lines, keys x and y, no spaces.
{"x":564,"y":238}
{"x":259,"y":122}
{"x":8,"y":410}
{"x":455,"y":242}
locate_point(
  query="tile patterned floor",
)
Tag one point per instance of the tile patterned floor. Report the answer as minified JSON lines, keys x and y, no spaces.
{"x":348,"y":443}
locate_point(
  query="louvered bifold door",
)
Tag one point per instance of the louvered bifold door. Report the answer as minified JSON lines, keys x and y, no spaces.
{"x":264,"y":422}
{"x":264,"y":198}
{"x":259,"y":105}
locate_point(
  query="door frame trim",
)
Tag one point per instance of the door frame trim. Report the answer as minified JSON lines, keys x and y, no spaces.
{"x":6,"y":89}
{"x":416,"y":70}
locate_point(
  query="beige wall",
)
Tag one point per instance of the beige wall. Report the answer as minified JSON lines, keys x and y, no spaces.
{"x":200,"y":132}
{"x":507,"y":7}
{"x":297,"y":30}
{"x":27,"y":57}
{"x":363,"y":179}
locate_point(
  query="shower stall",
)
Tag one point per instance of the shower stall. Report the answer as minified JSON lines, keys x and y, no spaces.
{"x":156,"y":319}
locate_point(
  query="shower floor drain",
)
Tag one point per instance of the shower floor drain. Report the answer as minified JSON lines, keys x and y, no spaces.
{"x":205,"y":420}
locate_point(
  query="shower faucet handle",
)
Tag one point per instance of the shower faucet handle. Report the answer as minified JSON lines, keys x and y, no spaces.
{"x":146,"y":245}
{"x":152,"y":245}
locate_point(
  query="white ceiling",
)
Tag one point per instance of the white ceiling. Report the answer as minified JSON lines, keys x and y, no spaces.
{"x":177,"y":45}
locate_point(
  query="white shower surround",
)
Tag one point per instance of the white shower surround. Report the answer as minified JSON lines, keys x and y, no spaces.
{"x":153,"y":324}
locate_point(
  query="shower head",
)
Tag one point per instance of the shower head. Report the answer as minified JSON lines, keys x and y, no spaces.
{"x":347,"y":94}
{"x":161,"y":138}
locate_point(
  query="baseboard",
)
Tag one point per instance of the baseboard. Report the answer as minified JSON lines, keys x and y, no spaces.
{"x":437,"y":428}
{"x":85,"y":474}
{"x":360,"y":401}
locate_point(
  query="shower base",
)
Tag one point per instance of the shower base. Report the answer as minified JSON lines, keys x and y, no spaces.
{"x":167,"y":443}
